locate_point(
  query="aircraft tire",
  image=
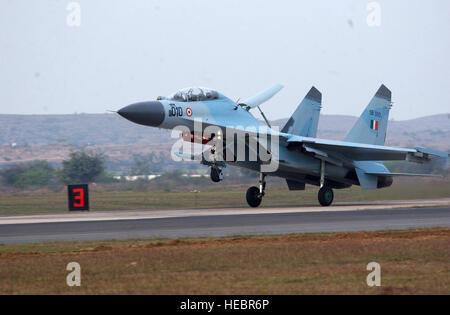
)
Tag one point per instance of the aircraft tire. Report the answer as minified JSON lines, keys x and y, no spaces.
{"x":253,"y":197}
{"x":215,"y":176}
{"x":325,"y":196}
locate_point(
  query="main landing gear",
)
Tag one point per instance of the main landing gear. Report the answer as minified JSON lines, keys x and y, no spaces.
{"x":255,"y":194}
{"x":325,"y":194}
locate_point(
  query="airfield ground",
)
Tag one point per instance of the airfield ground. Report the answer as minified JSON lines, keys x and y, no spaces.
{"x":214,"y":196}
{"x":412,"y":262}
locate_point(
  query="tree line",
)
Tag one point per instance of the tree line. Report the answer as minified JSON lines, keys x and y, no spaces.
{"x":80,"y":168}
{"x":87,"y":167}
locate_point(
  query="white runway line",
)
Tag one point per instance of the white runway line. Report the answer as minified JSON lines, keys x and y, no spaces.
{"x":157,"y":214}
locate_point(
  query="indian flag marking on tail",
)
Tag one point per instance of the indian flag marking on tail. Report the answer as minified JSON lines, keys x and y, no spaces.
{"x":374,"y":124}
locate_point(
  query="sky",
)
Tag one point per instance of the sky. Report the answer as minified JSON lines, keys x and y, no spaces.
{"x":127,"y":51}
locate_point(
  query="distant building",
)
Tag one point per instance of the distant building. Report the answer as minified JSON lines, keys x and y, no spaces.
{"x":129,"y":178}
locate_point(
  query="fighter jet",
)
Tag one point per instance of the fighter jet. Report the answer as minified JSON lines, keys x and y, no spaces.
{"x":233,"y":136}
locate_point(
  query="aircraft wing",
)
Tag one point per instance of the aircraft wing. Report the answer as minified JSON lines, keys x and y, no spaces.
{"x":261,"y":97}
{"x":401,"y":174}
{"x":349,"y":151}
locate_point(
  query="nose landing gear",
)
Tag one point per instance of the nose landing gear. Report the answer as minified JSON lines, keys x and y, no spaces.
{"x":216,"y":174}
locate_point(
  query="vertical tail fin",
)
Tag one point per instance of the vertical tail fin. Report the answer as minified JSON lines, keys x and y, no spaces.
{"x":305,"y":119}
{"x":371,"y":126}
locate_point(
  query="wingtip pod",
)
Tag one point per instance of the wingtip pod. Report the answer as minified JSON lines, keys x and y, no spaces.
{"x":433,"y":152}
{"x":384,"y":93}
{"x":314,"y":95}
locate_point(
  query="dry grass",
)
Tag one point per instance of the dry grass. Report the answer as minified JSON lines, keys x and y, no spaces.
{"x":413,"y":261}
{"x":217,"y":196}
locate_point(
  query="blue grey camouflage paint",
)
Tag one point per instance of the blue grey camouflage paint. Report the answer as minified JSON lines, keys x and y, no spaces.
{"x":355,"y":161}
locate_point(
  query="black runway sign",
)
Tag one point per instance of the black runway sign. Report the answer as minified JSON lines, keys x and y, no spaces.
{"x":78,"y":197}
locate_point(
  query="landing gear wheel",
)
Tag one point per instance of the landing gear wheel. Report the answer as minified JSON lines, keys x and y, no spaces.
{"x":254,"y":197}
{"x":216,"y":174}
{"x":326,"y":196}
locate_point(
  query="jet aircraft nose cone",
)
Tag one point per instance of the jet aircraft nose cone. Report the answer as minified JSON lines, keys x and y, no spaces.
{"x":144,"y":113}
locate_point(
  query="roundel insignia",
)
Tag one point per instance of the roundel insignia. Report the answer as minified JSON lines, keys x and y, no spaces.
{"x":189,"y":112}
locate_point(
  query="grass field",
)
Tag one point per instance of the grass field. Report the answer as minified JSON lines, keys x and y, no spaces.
{"x":210,"y":197}
{"x":412,"y":262}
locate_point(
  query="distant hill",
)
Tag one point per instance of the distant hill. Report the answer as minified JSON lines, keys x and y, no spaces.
{"x":51,"y":137}
{"x":75,"y":129}
{"x":104,"y":129}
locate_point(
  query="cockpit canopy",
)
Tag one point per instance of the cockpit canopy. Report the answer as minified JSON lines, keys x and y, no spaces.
{"x":193,"y":94}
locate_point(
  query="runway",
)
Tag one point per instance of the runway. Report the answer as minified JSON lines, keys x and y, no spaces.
{"x":92,"y":226}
